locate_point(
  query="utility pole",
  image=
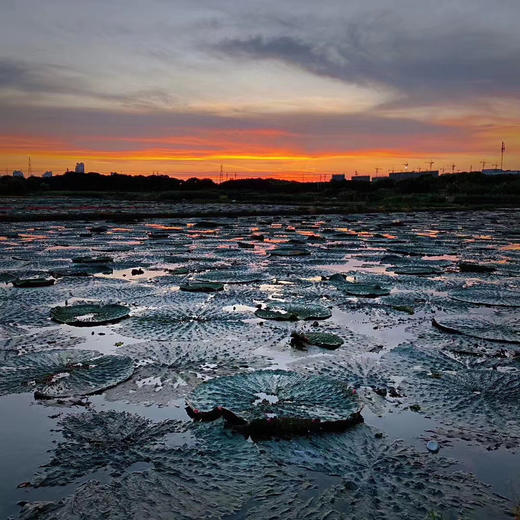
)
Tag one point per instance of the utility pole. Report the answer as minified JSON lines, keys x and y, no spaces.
{"x":221,"y":174}
{"x":453,"y":168}
{"x":502,"y":150}
{"x":483,"y":165}
{"x":29,"y":168}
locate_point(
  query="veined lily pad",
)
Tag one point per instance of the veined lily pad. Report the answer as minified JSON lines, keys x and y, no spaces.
{"x":278,"y":392}
{"x":217,"y":485}
{"x":88,"y":315}
{"x":86,"y":270}
{"x":418,"y":270}
{"x":188,"y":322}
{"x":293,"y":312}
{"x":92,"y":259}
{"x":201,"y":286}
{"x":289,"y":251}
{"x":95,"y":440}
{"x":179,"y":270}
{"x":364,"y":290}
{"x":490,"y":296}
{"x":231,"y":276}
{"x":63,"y":373}
{"x":33,"y":282}
{"x":476,"y":395}
{"x":378,"y":479}
{"x":494,"y":329}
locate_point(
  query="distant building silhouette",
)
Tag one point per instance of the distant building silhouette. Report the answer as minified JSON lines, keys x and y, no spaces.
{"x":18,"y":173}
{"x":404,"y":176}
{"x":80,"y":167}
{"x":499,"y":171}
{"x":360,"y":178}
{"x":338,"y":177}
{"x":47,"y":175}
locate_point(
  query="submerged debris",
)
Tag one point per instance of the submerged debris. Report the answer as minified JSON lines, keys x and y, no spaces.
{"x":326,"y":340}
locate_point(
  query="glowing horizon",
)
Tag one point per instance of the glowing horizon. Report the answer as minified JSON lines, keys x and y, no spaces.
{"x":380,"y":88}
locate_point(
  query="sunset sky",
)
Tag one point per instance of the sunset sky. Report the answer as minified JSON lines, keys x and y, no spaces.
{"x":285,"y":88}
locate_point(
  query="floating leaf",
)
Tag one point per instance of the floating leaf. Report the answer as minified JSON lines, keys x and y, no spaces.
{"x":364,"y":290}
{"x":36,"y":341}
{"x":488,"y":295}
{"x":87,"y":315}
{"x":285,"y":394}
{"x":33,"y":282}
{"x":63,"y":373}
{"x":293,"y":311}
{"x":201,"y":286}
{"x":169,"y":370}
{"x":417,"y":270}
{"x":468,"y":395}
{"x":201,"y":480}
{"x":373,"y":479}
{"x":496,"y":328}
{"x":94,"y":440}
{"x":231,"y":276}
{"x":92,"y":259}
{"x":196,"y":321}
{"x":289,"y":251}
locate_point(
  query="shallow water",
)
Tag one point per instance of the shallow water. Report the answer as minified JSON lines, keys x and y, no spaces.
{"x":178,"y":340}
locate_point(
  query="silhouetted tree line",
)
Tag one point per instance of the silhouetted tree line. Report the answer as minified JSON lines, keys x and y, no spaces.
{"x":466,"y":185}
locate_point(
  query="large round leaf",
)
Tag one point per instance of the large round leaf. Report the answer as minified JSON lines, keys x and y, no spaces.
{"x":494,"y":329}
{"x":87,"y":315}
{"x":63,"y":373}
{"x":293,"y":312}
{"x":278,"y":392}
{"x":201,"y":286}
{"x":490,"y":296}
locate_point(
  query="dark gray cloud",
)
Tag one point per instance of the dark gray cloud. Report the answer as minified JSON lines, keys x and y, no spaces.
{"x":30,"y":78}
{"x":381,"y":48}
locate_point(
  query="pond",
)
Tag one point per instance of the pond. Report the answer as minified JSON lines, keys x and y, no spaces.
{"x":280,"y":320}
